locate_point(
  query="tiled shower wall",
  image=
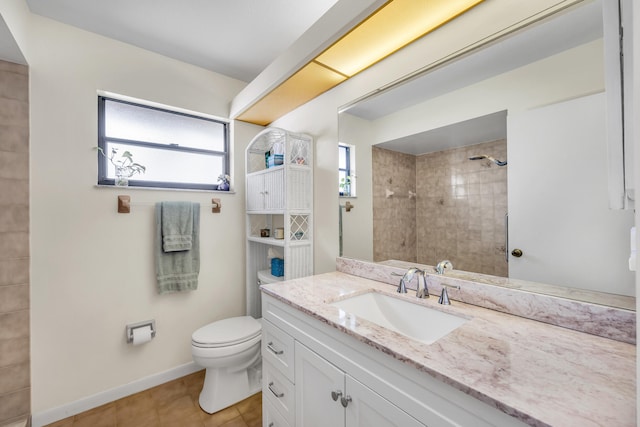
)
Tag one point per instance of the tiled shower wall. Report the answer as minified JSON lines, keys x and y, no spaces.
{"x":15,"y":389}
{"x":459,"y":211}
{"x":394,"y":217}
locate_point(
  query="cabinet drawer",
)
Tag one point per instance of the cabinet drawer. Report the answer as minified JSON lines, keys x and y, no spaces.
{"x":271,"y":417}
{"x":279,"y":391}
{"x":277,"y":349}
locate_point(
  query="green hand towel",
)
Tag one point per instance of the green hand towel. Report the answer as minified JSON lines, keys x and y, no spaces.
{"x":177,"y":226}
{"x":178,"y":271}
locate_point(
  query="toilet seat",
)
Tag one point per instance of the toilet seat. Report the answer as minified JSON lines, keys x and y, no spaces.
{"x":227,"y":332}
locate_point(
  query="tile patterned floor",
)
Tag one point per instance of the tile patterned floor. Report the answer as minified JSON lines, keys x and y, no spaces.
{"x":174,"y":404}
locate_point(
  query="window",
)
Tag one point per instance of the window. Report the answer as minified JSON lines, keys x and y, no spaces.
{"x":346,"y":170}
{"x":178,"y":150}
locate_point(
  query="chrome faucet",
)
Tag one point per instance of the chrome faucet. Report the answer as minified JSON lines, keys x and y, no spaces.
{"x":443,"y":265}
{"x":421,"y":290}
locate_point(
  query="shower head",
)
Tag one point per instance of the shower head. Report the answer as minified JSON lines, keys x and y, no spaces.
{"x":484,"y":156}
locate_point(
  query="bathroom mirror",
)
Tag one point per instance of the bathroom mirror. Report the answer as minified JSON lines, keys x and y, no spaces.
{"x":535,"y":100}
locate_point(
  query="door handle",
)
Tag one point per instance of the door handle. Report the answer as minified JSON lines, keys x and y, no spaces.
{"x":517,"y":253}
{"x":335,"y":395}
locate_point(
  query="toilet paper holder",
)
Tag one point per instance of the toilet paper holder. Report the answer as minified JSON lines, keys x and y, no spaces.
{"x":130,"y":327}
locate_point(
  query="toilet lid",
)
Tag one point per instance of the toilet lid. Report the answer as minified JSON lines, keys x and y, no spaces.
{"x":227,"y":332}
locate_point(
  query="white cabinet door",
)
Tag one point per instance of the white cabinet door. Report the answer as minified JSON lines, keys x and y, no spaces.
{"x":316,"y":379}
{"x":367,"y":408}
{"x":265,"y":191}
{"x":274,"y":189}
{"x":326,"y":396}
{"x":255,"y":193}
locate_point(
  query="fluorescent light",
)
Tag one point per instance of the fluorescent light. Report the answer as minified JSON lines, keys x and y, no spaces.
{"x":309,"y":82}
{"x":389,"y":29}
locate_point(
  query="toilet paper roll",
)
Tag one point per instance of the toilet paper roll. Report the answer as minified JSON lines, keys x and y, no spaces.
{"x":141,"y":335}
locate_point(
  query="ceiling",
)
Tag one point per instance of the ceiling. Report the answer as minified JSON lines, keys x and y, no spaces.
{"x":236,"y":38}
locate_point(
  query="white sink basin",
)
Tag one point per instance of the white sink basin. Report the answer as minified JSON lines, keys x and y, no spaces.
{"x":413,"y":320}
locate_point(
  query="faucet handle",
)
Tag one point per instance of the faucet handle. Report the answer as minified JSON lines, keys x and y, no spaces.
{"x":443,"y":265}
{"x":444,"y":296}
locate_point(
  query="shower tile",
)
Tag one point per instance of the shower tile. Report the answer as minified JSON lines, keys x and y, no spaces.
{"x":14,"y":377}
{"x":12,"y":67}
{"x":13,"y":271}
{"x":15,"y":404}
{"x":14,"y":86}
{"x":14,"y":351}
{"x":14,"y":245}
{"x":14,"y":112}
{"x":14,"y":138}
{"x":14,"y":165}
{"x":14,"y":192}
{"x":14,"y":218}
{"x":14,"y":325}
{"x":14,"y":298}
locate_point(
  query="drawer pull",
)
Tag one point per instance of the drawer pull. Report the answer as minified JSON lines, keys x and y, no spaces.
{"x":335,"y":395}
{"x":275,"y":393}
{"x":273,"y":350}
{"x":345,"y":401}
{"x":270,"y":425}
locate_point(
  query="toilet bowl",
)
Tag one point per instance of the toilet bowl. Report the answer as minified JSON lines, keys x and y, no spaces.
{"x":229,"y":349}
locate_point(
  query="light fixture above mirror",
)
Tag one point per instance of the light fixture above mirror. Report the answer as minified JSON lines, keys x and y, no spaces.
{"x":390,"y":28}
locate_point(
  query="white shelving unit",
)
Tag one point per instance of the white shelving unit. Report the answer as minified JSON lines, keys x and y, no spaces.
{"x":279,"y":196}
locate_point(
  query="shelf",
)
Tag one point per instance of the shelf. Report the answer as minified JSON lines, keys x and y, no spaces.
{"x":266,"y":170}
{"x":278,"y":242}
{"x":267,"y":240}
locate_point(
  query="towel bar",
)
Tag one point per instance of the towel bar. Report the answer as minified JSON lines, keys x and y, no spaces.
{"x":124,"y":204}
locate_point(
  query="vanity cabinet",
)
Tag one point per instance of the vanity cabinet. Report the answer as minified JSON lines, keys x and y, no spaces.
{"x":279,"y":209}
{"x":336,"y":380}
{"x":326,"y":395}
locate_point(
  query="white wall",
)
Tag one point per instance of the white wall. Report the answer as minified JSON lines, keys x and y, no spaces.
{"x":92,"y":269}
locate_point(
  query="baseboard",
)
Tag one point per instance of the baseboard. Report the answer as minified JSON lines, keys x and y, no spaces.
{"x":61,"y":412}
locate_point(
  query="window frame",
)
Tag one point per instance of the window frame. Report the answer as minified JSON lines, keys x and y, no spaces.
{"x":103,"y":140}
{"x":348,"y":170}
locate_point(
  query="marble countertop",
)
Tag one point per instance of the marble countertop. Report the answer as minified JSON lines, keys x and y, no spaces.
{"x":541,"y":374}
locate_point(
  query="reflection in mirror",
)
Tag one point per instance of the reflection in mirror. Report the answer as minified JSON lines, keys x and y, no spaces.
{"x":535,"y":101}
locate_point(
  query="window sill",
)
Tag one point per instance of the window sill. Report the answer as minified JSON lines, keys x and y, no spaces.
{"x":181,"y":190}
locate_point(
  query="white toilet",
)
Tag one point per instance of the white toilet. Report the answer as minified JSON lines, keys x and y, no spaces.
{"x":230,"y":351}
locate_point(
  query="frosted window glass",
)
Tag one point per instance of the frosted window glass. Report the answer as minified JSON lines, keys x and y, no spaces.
{"x":172,"y":166}
{"x":138,"y":123}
